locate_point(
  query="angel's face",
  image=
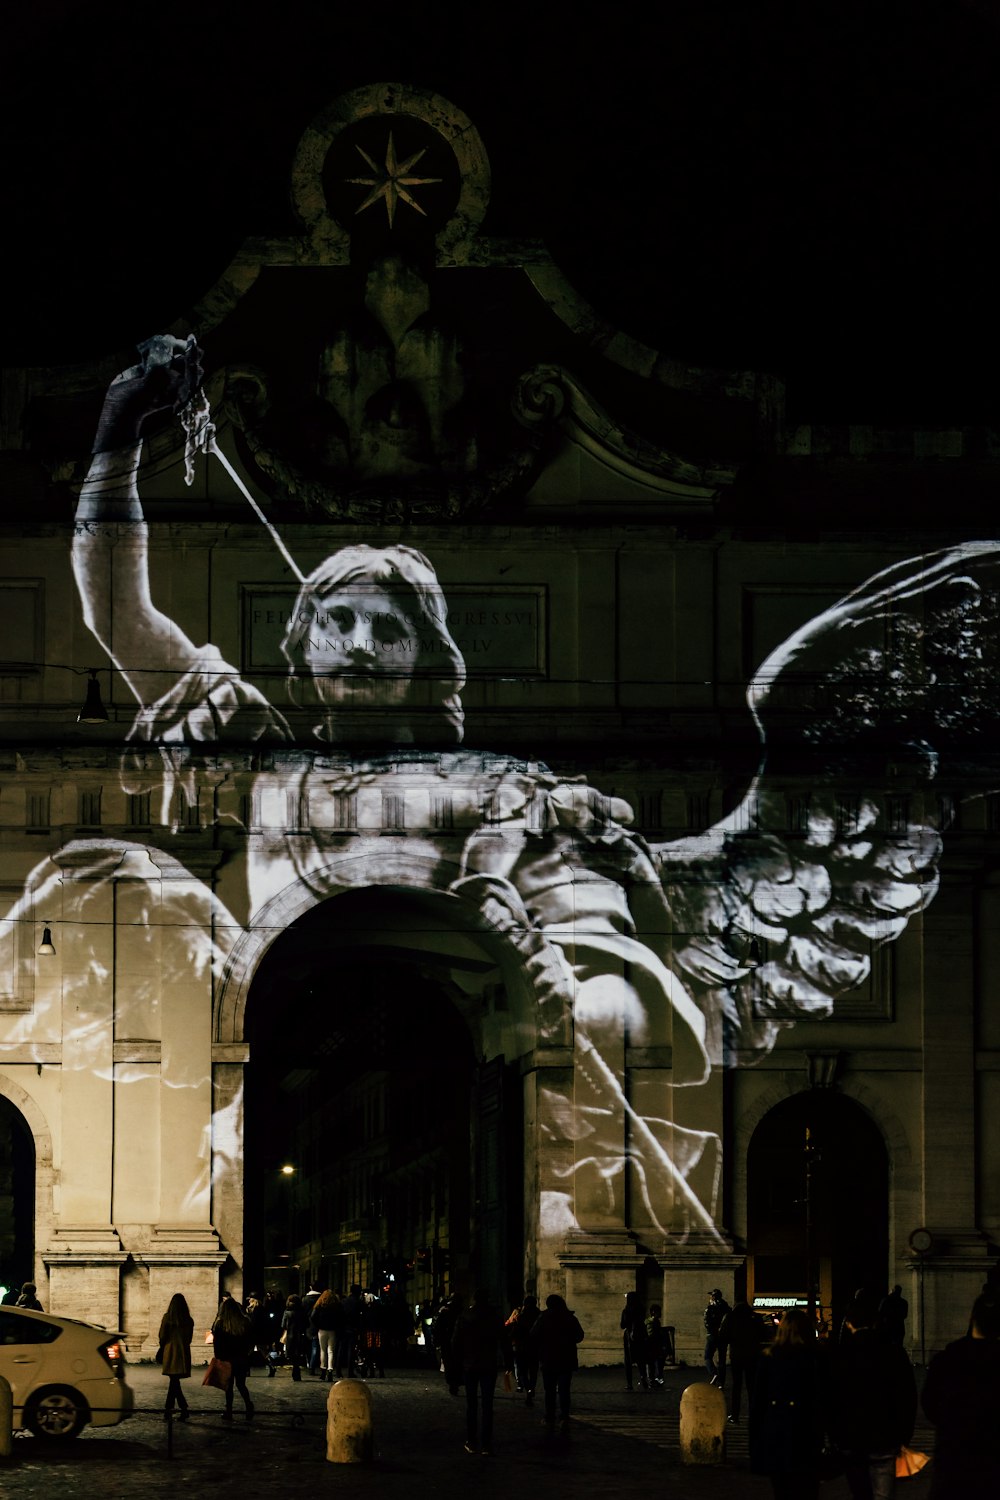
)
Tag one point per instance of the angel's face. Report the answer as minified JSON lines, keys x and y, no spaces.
{"x":363,"y":650}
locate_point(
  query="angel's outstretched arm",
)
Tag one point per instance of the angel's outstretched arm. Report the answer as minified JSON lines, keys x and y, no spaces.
{"x":110,"y":544}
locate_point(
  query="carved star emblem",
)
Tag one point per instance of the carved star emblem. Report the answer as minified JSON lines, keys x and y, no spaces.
{"x":391,"y":181}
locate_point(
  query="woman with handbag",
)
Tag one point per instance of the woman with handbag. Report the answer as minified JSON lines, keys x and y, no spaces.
{"x":174,"y":1354}
{"x":788,"y":1410}
{"x":232,"y":1336}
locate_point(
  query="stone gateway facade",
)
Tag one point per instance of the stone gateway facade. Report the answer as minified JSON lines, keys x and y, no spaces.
{"x":570,"y":888}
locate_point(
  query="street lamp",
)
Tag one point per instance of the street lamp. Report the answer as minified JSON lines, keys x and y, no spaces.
{"x":288,"y":1173}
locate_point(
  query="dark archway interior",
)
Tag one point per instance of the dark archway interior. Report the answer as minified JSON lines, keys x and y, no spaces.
{"x":17,"y":1197}
{"x":818,"y":1194}
{"x":363,"y":1078}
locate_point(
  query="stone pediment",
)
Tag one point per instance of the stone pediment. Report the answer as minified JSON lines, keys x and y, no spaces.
{"x":420,"y":393}
{"x":392,"y":361}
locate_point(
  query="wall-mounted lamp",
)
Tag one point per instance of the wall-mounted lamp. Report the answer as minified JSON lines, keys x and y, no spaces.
{"x":93,"y":710}
{"x":46,"y":946}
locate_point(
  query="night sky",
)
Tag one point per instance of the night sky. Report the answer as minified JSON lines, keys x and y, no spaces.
{"x":809,"y":189}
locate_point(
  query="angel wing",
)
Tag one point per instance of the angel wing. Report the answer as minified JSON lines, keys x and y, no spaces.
{"x":778,"y":909}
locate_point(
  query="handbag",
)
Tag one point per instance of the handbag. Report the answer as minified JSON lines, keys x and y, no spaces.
{"x":219,"y":1373}
{"x":158,"y":1356}
{"x":909,"y":1461}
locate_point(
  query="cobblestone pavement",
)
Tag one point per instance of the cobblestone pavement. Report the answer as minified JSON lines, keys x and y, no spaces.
{"x":619,"y":1444}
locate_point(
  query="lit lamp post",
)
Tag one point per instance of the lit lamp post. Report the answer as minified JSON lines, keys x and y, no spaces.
{"x":811,"y":1279}
{"x":288,"y":1173}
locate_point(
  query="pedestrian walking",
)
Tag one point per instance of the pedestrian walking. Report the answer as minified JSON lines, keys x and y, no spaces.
{"x":444,"y":1341}
{"x":961,"y":1396}
{"x":713,"y":1318}
{"x":293,"y":1333}
{"x":634,"y":1343}
{"x":656,"y":1342}
{"x":344,"y":1352}
{"x":523,"y":1349}
{"x":740,"y":1338}
{"x":29,"y":1297}
{"x":892,"y":1311}
{"x":788,"y":1410}
{"x":174,"y":1354}
{"x":325,"y":1324}
{"x":477,"y":1343}
{"x":555,"y":1336}
{"x":232,"y":1340}
{"x":311,"y":1338}
{"x":873,"y":1405}
{"x":371,"y":1338}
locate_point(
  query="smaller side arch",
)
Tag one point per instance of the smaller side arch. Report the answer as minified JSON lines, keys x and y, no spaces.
{"x":33,"y":1116}
{"x":786,"y":1086}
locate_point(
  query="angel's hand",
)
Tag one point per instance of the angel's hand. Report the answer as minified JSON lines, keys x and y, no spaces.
{"x":166,"y":379}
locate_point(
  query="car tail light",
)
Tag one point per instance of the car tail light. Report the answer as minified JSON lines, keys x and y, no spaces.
{"x":113,"y":1352}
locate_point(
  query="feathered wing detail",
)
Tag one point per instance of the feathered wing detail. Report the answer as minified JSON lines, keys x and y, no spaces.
{"x":777,"y":910}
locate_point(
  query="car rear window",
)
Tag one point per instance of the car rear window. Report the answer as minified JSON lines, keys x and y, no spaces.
{"x":17,"y":1330}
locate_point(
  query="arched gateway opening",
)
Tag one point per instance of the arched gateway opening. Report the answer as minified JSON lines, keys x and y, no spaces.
{"x":817,"y":1202}
{"x":382,"y":1132}
{"x":17,"y":1197}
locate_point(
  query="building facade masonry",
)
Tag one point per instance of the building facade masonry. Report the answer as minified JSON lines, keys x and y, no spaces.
{"x":438,"y":638}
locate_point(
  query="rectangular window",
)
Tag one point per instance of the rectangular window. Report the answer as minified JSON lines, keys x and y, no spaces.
{"x":798,"y":814}
{"x":993,"y":812}
{"x":88,"y":811}
{"x":345,"y":809}
{"x":651,"y":809}
{"x":490,"y":810}
{"x":37,"y":810}
{"x":698,"y":811}
{"x":393,"y":812}
{"x":897,"y":814}
{"x":848,"y":815}
{"x":138,"y":809}
{"x":247,"y":816}
{"x":297,"y":807}
{"x":442,"y":811}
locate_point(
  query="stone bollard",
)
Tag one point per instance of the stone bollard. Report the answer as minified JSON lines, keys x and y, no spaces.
{"x":6,"y":1419}
{"x":349,"y":1436}
{"x":703,"y":1424}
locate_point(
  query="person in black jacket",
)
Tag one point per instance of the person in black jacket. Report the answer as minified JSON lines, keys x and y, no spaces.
{"x":443,"y":1334}
{"x":788,"y":1408}
{"x":477,"y":1345}
{"x":714,"y":1316}
{"x":635,"y":1344}
{"x":519,"y":1325}
{"x":740,"y":1338}
{"x":961,"y":1396}
{"x":873,"y":1405}
{"x":555,"y":1335}
{"x":232,"y":1340}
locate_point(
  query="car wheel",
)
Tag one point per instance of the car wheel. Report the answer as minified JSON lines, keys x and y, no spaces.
{"x":56,"y":1413}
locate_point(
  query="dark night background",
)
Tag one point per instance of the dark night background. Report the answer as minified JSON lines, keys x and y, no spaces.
{"x":810,"y":189}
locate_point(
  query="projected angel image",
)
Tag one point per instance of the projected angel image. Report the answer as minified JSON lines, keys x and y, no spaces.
{"x":626,"y":943}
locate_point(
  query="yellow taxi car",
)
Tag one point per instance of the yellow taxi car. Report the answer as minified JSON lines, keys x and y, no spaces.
{"x":63,"y":1373}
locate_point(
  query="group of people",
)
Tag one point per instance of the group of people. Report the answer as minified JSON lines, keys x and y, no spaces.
{"x":647,"y":1345}
{"x":329,"y":1335}
{"x":851,"y":1404}
{"x":26,"y":1297}
{"x":232,"y":1343}
{"x":475,"y":1343}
